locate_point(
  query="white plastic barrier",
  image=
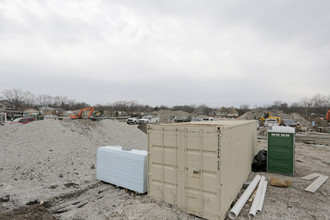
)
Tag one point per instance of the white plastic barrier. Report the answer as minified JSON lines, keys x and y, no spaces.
{"x":127,"y":169}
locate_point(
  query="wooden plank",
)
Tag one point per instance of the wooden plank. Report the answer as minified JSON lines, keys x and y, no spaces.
{"x":316,"y":184}
{"x":311,"y":176}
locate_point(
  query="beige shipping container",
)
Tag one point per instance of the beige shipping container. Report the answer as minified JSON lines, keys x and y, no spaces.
{"x":200,"y":167}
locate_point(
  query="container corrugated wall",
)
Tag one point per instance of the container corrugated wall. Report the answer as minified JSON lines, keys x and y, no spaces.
{"x":200,"y":167}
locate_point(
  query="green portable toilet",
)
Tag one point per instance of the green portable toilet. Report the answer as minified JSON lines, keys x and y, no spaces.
{"x":281,"y":150}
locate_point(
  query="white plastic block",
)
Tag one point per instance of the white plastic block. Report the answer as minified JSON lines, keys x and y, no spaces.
{"x":282,"y":129}
{"x":127,"y":169}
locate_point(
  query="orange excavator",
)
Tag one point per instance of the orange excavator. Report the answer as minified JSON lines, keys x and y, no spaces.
{"x":80,"y":114}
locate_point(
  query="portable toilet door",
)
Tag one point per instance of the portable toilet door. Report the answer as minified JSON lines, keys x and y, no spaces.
{"x":281,"y":150}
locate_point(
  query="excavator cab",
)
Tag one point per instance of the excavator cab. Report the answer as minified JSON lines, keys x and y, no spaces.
{"x":266,"y":115}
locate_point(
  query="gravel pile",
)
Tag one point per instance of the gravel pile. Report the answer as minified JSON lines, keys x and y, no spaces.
{"x":38,"y":159}
{"x":252,"y":115}
{"x":164,"y":115}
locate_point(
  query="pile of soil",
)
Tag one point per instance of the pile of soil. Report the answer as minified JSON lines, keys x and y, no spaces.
{"x":164,"y":115}
{"x":256,"y":114}
{"x":44,"y":158}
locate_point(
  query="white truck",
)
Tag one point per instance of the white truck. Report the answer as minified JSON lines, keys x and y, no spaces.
{"x":270,"y":122}
{"x":132,"y":121}
{"x":148,"y":120}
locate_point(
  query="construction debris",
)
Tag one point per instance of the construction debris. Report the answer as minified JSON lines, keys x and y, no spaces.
{"x":311,"y":176}
{"x":256,"y":201}
{"x":314,"y":186}
{"x":280,"y":182}
{"x":234,"y":212}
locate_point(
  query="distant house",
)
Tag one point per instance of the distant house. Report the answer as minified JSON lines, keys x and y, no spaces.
{"x":4,"y":105}
{"x":121,"y":113}
{"x":222,"y":112}
{"x":232,"y":113}
{"x":45,"y":110}
{"x":227,"y":112}
{"x":31,"y":111}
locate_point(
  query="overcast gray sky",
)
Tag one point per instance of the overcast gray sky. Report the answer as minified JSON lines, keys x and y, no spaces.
{"x":218,"y":53}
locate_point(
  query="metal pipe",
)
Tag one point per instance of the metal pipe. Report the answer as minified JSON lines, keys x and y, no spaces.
{"x":242,"y":200}
{"x":255,"y":204}
{"x":262,"y":198}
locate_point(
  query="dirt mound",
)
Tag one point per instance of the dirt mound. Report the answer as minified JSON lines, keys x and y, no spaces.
{"x":298,"y":118}
{"x":143,"y":127}
{"x":251,"y":115}
{"x":41,"y":158}
{"x":256,"y":114}
{"x":164,"y":115}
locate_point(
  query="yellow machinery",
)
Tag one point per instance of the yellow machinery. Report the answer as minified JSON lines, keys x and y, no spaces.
{"x":268,"y":115}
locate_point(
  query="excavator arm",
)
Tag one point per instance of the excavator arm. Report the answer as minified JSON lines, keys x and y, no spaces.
{"x":79,"y":115}
{"x":91,"y":112}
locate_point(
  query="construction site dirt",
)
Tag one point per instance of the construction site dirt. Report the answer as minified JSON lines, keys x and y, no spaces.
{"x":48,"y":171}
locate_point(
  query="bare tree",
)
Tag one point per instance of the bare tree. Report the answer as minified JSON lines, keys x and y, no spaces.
{"x":44,"y":100}
{"x":243,"y":109}
{"x":60,"y":101}
{"x":203,"y":109}
{"x":277,"y":104}
{"x":30,"y":101}
{"x":185,"y":108}
{"x":317,"y":104}
{"x":16,"y":97}
{"x":318,"y":100}
{"x":308,"y":104}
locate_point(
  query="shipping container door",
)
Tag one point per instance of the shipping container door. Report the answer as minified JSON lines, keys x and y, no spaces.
{"x":162,"y":183}
{"x":200,"y":166}
{"x":183,"y":169}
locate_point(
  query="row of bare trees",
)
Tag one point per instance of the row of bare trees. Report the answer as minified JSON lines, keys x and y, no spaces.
{"x":132,"y":107}
{"x":316,"y":105}
{"x":308,"y":106}
{"x":18,"y":98}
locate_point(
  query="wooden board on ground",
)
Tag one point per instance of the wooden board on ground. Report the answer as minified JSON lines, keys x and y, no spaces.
{"x":311,"y":176}
{"x":316,"y":184}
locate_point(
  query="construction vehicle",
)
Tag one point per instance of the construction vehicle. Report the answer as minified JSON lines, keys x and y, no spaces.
{"x":80,"y":114}
{"x":327,"y":117}
{"x":96,"y":116}
{"x":267,"y":115}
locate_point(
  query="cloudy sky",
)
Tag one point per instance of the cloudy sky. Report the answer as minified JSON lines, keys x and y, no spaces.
{"x":218,"y":53}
